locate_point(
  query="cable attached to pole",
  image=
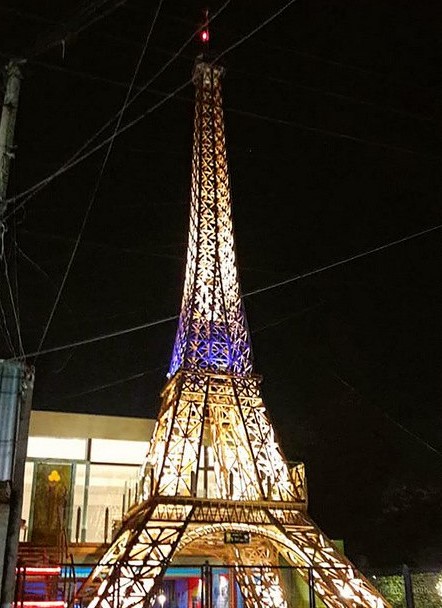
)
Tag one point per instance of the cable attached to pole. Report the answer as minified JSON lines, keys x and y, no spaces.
{"x":99,"y":178}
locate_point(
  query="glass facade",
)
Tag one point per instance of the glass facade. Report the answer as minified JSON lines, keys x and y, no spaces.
{"x":114,"y":450}
{"x":27,"y":497}
{"x":106,"y":489}
{"x":54,"y":447}
{"x":78,"y":484}
{"x":191,"y":587}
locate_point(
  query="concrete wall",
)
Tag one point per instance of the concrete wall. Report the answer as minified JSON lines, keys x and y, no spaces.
{"x":84,"y":426}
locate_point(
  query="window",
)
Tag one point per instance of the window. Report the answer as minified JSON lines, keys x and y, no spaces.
{"x":106,"y":489}
{"x":51,"y":447}
{"x":116,"y":451}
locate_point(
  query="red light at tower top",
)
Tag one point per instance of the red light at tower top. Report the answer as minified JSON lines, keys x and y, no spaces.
{"x":204,"y":34}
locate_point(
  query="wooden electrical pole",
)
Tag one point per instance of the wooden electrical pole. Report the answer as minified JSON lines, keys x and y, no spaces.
{"x":16,"y":378}
{"x":15,"y":405}
{"x":7,"y":126}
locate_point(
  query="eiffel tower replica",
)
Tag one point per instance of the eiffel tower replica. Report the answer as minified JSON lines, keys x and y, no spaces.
{"x":214,"y":470}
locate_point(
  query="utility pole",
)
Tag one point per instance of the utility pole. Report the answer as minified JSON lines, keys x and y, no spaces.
{"x":16,"y":386}
{"x":16,"y":378}
{"x":7,"y":126}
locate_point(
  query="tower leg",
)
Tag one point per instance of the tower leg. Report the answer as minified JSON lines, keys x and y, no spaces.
{"x":131,"y":571}
{"x":336,"y":581}
{"x":258,"y":578}
{"x":261,"y":587}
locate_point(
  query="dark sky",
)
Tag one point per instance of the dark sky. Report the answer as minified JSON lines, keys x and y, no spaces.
{"x":334,"y":131}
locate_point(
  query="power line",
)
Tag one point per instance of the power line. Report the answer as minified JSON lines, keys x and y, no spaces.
{"x":369,"y":401}
{"x":312,"y":89}
{"x":102,"y":387}
{"x":393,"y":421}
{"x":77,"y":22}
{"x":114,"y":334}
{"x":357,"y":256}
{"x":68,"y":308}
{"x":244,"y":73}
{"x":249,"y":293}
{"x":335,"y":134}
{"x":160,"y":367}
{"x":99,"y":178}
{"x":41,"y":271}
{"x":107,"y":246}
{"x":282,"y":320}
{"x":346,"y":383}
{"x":261,"y":75}
{"x":77,"y":157}
{"x":5,"y":330}
{"x":13,"y":306}
{"x":385,"y":77}
{"x":409,"y":432}
{"x":17,"y":292}
{"x":347,"y":66}
{"x":333,"y":62}
{"x":286,"y":122}
{"x":255,"y":30}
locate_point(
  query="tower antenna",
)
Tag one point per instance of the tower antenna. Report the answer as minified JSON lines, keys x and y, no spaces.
{"x":204,"y":32}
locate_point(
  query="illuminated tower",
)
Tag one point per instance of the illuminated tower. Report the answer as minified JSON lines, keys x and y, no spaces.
{"x":214,"y":467}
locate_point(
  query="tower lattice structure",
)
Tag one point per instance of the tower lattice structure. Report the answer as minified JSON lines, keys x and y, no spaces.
{"x":214,"y":465}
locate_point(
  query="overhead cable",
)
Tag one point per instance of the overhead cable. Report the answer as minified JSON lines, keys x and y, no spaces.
{"x":114,"y":334}
{"x":6,"y":332}
{"x":357,"y":256}
{"x":14,"y":307}
{"x":303,"y":87}
{"x":78,"y":157}
{"x":392,"y":420}
{"x":103,"y":387}
{"x":287,"y":122}
{"x":99,"y":178}
{"x":88,"y":14}
{"x":297,"y":277}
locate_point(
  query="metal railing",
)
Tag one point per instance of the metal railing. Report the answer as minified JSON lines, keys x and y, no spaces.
{"x":216,"y":586}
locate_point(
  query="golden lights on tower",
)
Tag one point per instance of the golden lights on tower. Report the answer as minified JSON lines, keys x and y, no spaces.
{"x":214,"y":465}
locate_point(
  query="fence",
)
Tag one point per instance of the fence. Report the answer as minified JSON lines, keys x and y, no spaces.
{"x":410,"y":588}
{"x":213,"y":586}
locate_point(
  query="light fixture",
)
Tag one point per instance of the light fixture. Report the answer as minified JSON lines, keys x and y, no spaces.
{"x":161,"y":599}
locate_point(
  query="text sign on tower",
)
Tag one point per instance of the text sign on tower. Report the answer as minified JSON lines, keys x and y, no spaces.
{"x":237,"y":537}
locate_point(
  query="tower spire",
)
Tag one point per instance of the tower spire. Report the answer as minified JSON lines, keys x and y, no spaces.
{"x":205,"y":32}
{"x":212,"y":331}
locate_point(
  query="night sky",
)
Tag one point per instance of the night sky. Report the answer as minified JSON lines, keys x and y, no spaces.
{"x":334,"y":132}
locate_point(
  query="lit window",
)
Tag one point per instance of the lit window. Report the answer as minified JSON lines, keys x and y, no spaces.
{"x":52,"y":447}
{"x":119,"y":452}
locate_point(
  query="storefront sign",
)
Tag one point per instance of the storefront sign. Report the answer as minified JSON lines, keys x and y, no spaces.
{"x":237,"y":537}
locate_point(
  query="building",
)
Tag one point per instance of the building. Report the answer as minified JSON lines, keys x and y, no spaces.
{"x":96,"y":460}
{"x":16,"y":386}
{"x":81,"y":474}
